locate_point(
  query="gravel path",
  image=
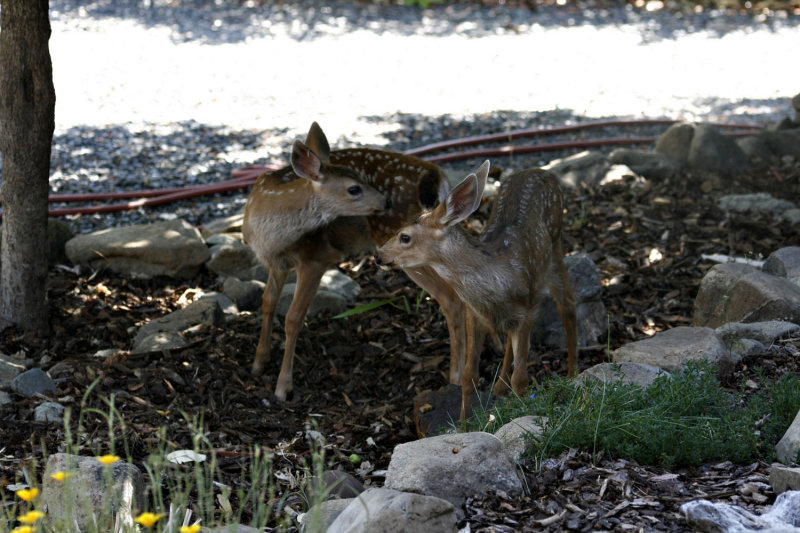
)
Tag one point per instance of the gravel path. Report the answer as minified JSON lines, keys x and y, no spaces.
{"x":182,"y":92}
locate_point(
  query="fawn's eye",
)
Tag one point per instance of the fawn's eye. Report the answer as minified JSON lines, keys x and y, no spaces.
{"x":405,"y":238}
{"x":354,"y":191}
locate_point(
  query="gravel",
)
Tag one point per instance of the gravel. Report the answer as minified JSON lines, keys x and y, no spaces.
{"x":154,"y":94}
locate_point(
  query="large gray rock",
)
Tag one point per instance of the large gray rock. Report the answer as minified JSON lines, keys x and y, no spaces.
{"x":591,"y":313}
{"x":761,"y":202}
{"x":453,"y":467}
{"x":769,"y":147}
{"x":320,"y":516}
{"x":390,"y":511}
{"x":703,"y":515}
{"x":205,"y":311}
{"x":247,"y":295}
{"x":516,"y":434}
{"x":32,"y":382}
{"x":324,"y":300}
{"x":783,"y":478}
{"x":735,"y":292}
{"x":671,"y":349}
{"x":49,"y":412}
{"x":784,"y":262}
{"x":173,"y":248}
{"x":92,"y":490}
{"x":587,"y":167}
{"x":702,"y":147}
{"x":651,"y":165}
{"x":788,"y":448}
{"x":232,"y":259}
{"x":763,"y":332}
{"x":229,"y":224}
{"x":640,"y":374}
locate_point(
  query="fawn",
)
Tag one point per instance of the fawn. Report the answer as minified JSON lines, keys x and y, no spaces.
{"x":499,"y":275}
{"x":330,"y":204}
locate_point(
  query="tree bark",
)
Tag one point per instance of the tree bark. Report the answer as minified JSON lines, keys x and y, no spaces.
{"x":27,"y":121}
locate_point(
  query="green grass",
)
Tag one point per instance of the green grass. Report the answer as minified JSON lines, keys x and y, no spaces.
{"x":687,"y":419}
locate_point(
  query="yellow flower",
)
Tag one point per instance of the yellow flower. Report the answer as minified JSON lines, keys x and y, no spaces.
{"x":23,"y":529}
{"x":108,"y":459}
{"x":148,"y":519}
{"x":28,"y":494}
{"x":30,"y":517}
{"x":194,"y":528}
{"x":60,"y":475}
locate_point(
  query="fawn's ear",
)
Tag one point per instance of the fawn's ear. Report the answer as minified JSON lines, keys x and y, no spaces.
{"x":305,"y":163}
{"x":465,"y":198}
{"x":318,"y":143}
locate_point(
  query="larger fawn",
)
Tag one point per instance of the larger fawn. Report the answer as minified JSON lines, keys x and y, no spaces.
{"x":500,"y":274}
{"x":330,"y":204}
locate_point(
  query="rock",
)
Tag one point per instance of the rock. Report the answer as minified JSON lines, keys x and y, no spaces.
{"x":173,"y":248}
{"x":763,"y":332}
{"x":5,"y":399}
{"x":324,"y":300}
{"x":788,"y":448}
{"x":159,"y":341}
{"x":784,"y":262}
{"x":92,"y":490}
{"x":10,"y":368}
{"x":651,"y":165}
{"x":232,"y":259}
{"x":702,"y":147}
{"x":338,"y":283}
{"x":322,"y":515}
{"x":453,"y":467}
{"x":671,"y":349}
{"x":247,"y":295}
{"x":769,"y":147}
{"x":591,"y":313}
{"x":735,"y":292}
{"x":228,"y":306}
{"x":32,"y":382}
{"x":229,"y":224}
{"x":437,"y":411}
{"x":588,"y":167}
{"x":703,"y":515}
{"x":49,"y":412}
{"x":783,"y":478}
{"x":675,"y":142}
{"x":516,"y":434}
{"x":390,"y":511}
{"x":640,"y":374}
{"x":205,"y":312}
{"x":760,"y":202}
{"x":339,"y":484}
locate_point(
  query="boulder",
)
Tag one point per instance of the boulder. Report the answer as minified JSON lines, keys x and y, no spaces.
{"x":247,"y":295}
{"x":703,"y":515}
{"x":516,"y":434}
{"x":735,"y":292}
{"x":702,"y":147}
{"x":591,"y":313}
{"x":788,"y":448}
{"x":91,"y":489}
{"x":761,"y":202}
{"x":784,"y":262}
{"x":651,"y":165}
{"x":783,"y":478}
{"x":453,"y":467}
{"x":390,"y":511}
{"x":588,"y":167}
{"x":204,"y":311}
{"x":763,"y":332}
{"x":49,"y":413}
{"x":640,"y":374}
{"x":173,"y":248}
{"x":670,"y":350}
{"x":320,"y":516}
{"x":232,"y":259}
{"x":229,"y":224}
{"x":32,"y":382}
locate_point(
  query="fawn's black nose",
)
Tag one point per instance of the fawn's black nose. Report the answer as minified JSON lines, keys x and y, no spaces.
{"x":388,"y":204}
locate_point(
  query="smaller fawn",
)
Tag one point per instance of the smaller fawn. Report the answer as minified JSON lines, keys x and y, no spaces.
{"x":500,"y":275}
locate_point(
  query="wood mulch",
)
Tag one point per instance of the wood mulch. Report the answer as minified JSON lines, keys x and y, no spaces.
{"x":356,"y":378}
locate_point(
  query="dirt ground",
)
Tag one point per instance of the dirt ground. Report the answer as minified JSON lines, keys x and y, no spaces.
{"x":357,"y":377}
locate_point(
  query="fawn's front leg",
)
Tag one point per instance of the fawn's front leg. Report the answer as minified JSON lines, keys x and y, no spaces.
{"x":309,"y":274}
{"x":269,"y":302}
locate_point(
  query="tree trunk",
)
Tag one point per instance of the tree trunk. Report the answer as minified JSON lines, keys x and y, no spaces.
{"x":27,"y":109}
